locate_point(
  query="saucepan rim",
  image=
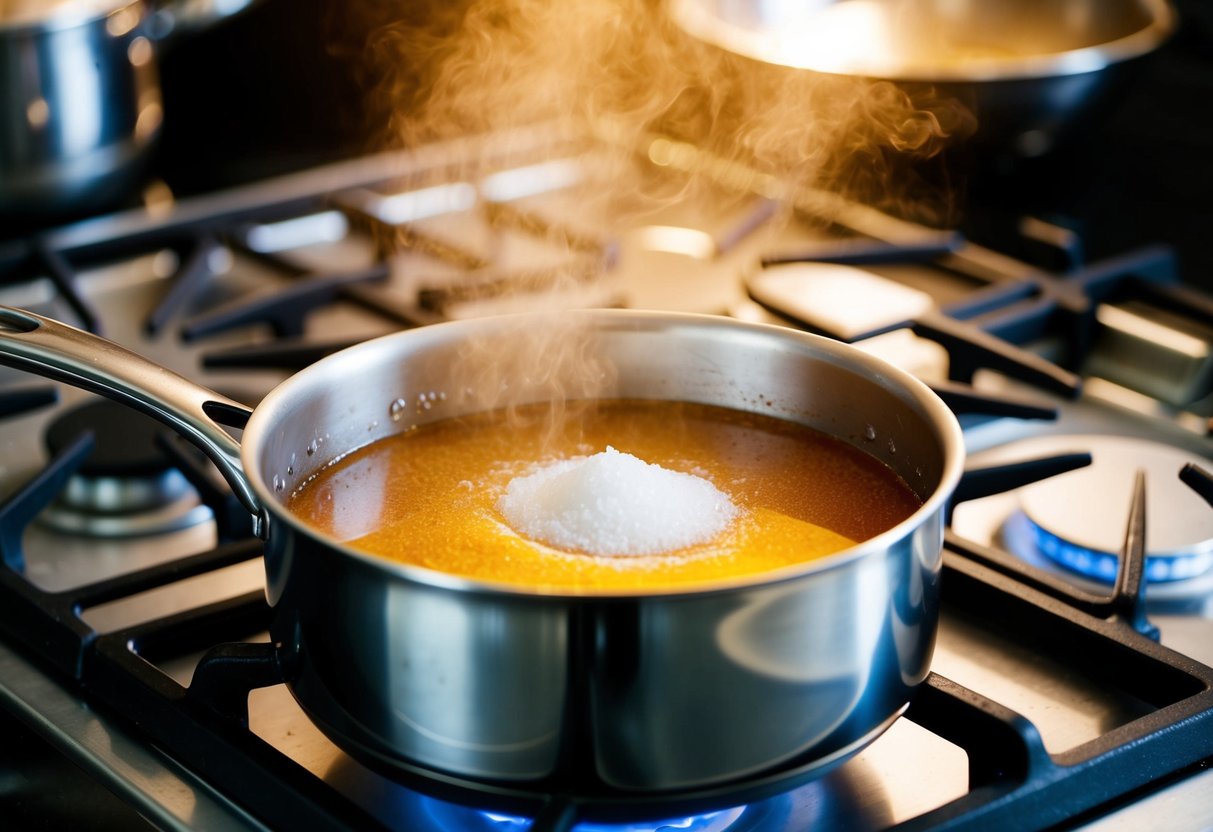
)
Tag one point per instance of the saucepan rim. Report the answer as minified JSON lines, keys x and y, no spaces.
{"x":270,"y":412}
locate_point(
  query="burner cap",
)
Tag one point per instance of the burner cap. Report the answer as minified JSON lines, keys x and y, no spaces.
{"x":1079,"y":518}
{"x":128,"y":485}
{"x":125,"y":440}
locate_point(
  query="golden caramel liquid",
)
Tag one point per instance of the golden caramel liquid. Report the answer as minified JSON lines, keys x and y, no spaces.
{"x":429,"y":496}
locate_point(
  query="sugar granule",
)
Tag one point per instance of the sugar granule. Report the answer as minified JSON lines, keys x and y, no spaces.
{"x":612,"y":503}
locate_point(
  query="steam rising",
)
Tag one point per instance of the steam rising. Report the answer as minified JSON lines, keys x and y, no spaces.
{"x":623,"y":70}
{"x":479,"y":66}
{"x":549,"y":358}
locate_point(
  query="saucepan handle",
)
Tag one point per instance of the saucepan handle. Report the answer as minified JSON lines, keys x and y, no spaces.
{"x":55,"y":350}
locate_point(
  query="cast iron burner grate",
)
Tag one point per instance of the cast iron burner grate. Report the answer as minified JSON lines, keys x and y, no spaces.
{"x":1014,"y":782}
{"x":1010,"y":303}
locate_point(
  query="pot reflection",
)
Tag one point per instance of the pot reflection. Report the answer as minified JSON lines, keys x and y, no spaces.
{"x":662,"y":669}
{"x":513,"y":720}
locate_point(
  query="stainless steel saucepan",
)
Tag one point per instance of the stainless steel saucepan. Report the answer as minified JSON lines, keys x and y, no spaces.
{"x":640,"y":691}
{"x":80,"y":101}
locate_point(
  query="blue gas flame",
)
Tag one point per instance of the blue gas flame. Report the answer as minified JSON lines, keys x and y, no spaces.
{"x":1094,"y":563}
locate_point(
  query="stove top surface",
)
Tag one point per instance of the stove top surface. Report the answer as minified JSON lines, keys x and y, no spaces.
{"x":241,"y":287}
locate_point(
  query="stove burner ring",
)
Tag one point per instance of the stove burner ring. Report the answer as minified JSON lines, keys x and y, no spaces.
{"x":128,"y":486}
{"x":1079,"y":519}
{"x":721,"y":821}
{"x":752,"y":801}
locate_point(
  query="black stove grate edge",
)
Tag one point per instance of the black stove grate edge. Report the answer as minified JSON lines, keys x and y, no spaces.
{"x":1015,"y":782}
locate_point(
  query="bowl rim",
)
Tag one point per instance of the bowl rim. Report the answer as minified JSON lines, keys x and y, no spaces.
{"x":757,"y":44}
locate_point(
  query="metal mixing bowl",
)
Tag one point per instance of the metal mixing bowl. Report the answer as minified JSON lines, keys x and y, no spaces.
{"x":1031,"y":71}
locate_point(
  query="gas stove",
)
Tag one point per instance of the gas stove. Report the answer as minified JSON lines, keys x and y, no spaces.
{"x":1062,"y":693}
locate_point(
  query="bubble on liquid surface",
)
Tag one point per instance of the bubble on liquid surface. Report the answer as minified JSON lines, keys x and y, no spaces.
{"x":426,"y":401}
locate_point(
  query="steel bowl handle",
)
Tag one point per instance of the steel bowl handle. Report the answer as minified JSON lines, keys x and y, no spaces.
{"x":55,"y":350}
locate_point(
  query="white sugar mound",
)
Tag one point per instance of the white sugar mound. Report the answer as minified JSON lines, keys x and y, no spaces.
{"x":612,"y":503}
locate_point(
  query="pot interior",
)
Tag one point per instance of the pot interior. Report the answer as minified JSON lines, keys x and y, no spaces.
{"x":399,"y":382}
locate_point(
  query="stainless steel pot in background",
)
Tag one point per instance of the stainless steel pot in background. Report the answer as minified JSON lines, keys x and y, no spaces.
{"x":80,"y":102}
{"x":1033,"y":72}
{"x":631,"y":691}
